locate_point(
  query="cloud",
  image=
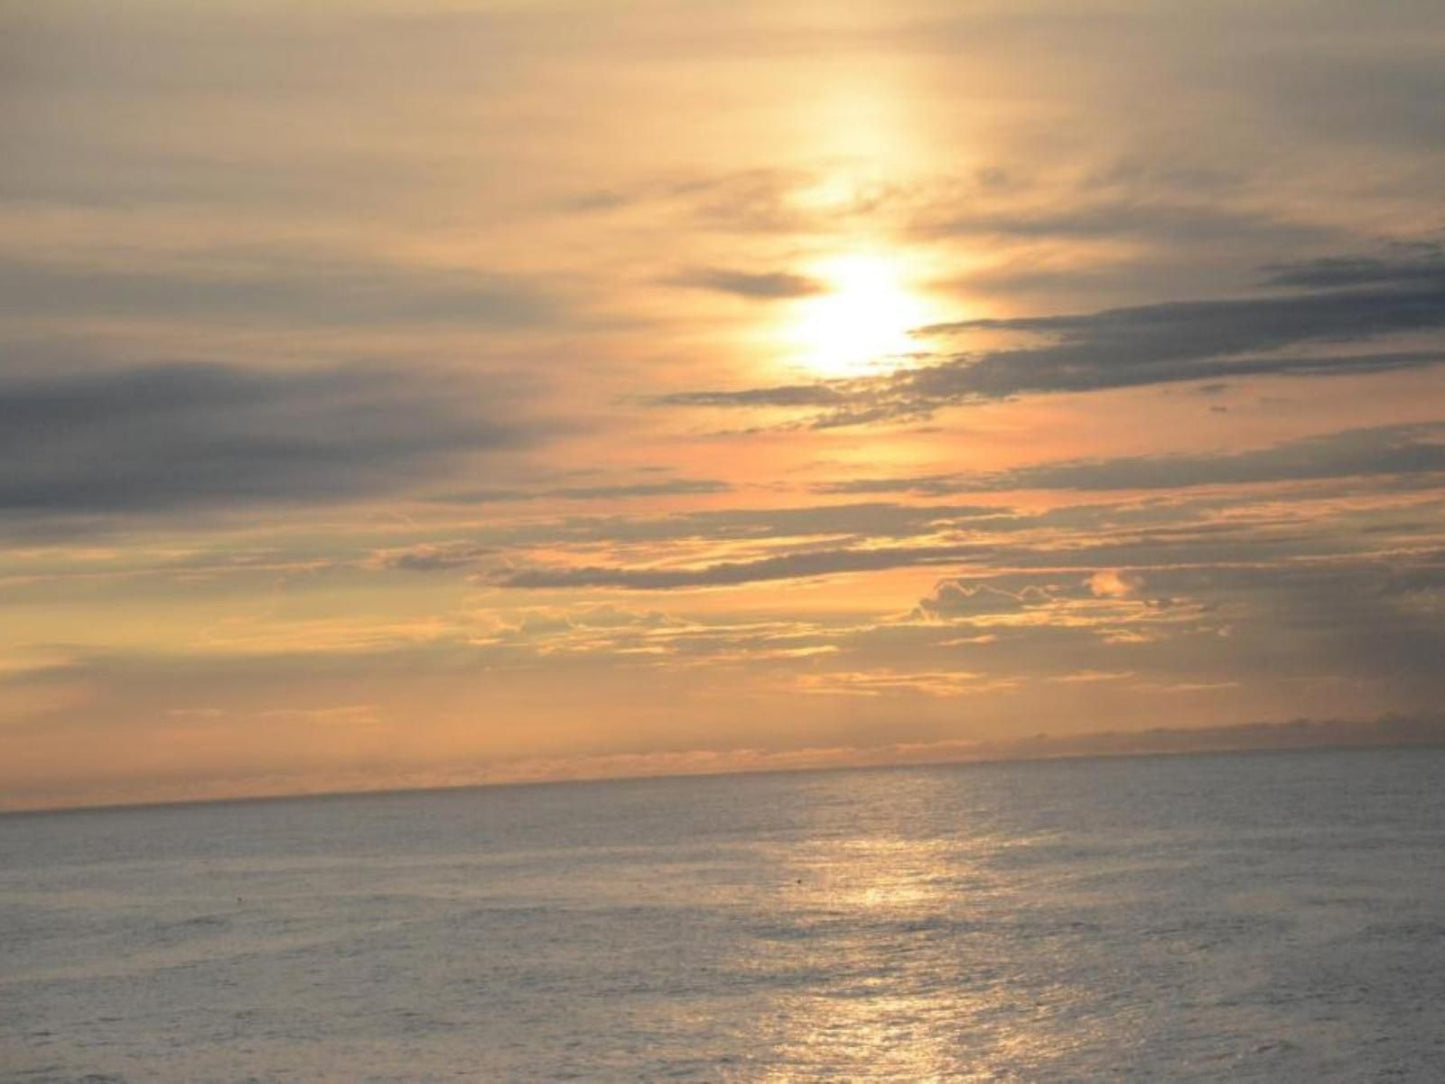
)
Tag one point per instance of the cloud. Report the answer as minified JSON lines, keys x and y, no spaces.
{"x":787,"y":529}
{"x":1421,"y":263}
{"x":732,"y":573}
{"x":867,"y":519}
{"x":1373,"y":452}
{"x":1150,"y":343}
{"x":255,"y":284}
{"x":1361,"y":628}
{"x":751,"y":285}
{"x":1172,"y":222}
{"x":1111,"y":583}
{"x":873,"y":683}
{"x":737,"y":201}
{"x":1138,"y":346}
{"x":430,"y":558}
{"x":954,"y":600}
{"x":839,"y":394}
{"x":1374,"y":618}
{"x":675,"y":487}
{"x":169,"y":436}
{"x":919,"y":392}
{"x":1107,"y":603}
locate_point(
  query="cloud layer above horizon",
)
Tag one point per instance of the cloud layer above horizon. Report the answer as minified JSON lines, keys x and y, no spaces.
{"x":430,"y":390}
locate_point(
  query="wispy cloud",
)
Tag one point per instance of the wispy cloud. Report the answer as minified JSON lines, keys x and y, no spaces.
{"x":750,"y":285}
{"x":260,"y":285}
{"x":731,"y":573}
{"x":672,"y":487}
{"x":1384,"y":450}
{"x":185,"y":435}
{"x":1142,"y":345}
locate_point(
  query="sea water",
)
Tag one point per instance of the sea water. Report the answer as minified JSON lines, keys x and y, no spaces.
{"x":1271,"y":917}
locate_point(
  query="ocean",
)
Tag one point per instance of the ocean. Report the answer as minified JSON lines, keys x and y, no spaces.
{"x":1272,"y":916}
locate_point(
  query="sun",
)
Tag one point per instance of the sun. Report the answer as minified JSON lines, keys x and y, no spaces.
{"x":859,"y":321}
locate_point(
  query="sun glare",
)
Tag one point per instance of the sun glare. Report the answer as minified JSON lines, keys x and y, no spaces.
{"x":861,"y":320}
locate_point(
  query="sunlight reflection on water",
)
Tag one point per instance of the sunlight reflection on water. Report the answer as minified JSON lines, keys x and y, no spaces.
{"x":1193,"y":918}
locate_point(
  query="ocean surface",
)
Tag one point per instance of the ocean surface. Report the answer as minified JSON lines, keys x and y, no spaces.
{"x":1273,"y":917}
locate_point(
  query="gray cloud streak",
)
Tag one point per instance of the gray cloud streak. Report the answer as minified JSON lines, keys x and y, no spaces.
{"x":1387,"y":450}
{"x":256,"y":284}
{"x":732,"y":573}
{"x":676,"y":487}
{"x":1419,"y":264}
{"x":751,"y":285}
{"x":1144,"y":345}
{"x":173,"y":436}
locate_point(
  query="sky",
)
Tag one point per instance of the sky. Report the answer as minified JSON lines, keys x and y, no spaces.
{"x":423,"y":392}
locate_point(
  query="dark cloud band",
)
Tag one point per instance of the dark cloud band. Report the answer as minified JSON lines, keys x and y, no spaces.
{"x":1149,"y":345}
{"x":173,"y":436}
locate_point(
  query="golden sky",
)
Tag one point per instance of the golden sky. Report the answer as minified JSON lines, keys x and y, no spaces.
{"x":411,"y":392}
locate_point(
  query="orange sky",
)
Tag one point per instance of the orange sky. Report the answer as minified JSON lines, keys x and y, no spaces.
{"x":422,"y":391}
